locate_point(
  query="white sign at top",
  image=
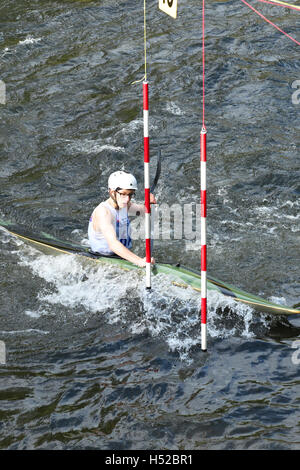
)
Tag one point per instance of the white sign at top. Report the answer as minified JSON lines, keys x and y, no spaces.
{"x":169,"y":7}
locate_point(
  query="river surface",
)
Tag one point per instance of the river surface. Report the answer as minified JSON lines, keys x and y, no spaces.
{"x":93,"y":361}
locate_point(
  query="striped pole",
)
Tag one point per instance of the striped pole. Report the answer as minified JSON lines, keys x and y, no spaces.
{"x":147,"y":185}
{"x":203,"y":242}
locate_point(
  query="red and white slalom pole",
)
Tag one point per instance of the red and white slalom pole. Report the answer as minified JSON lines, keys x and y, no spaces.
{"x":147,"y":184}
{"x":203,"y":242}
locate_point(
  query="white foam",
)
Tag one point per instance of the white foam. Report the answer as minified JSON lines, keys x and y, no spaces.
{"x":278,"y":300}
{"x":132,"y":126}
{"x":217,"y":301}
{"x":29,"y":330}
{"x":135,"y":125}
{"x":167,"y":311}
{"x":92,"y":146}
{"x":173,"y":108}
{"x":32,"y":314}
{"x":7,"y":237}
{"x":4,"y":52}
{"x":30,"y":40}
{"x":291,"y":204}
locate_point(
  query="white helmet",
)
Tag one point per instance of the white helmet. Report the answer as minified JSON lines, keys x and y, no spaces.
{"x":121,"y":179}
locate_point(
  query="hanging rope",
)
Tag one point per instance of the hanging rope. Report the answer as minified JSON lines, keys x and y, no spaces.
{"x":145,"y":41}
{"x":145,"y":47}
{"x":281,"y":4}
{"x":270,"y":22}
{"x":203,"y":64}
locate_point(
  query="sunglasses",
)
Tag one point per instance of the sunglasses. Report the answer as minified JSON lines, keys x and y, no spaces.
{"x":130,"y":195}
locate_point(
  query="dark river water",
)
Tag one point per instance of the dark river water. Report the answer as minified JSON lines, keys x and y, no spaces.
{"x":93,"y":361}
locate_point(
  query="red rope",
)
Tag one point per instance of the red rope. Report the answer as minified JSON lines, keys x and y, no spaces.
{"x":270,"y":22}
{"x":281,"y":5}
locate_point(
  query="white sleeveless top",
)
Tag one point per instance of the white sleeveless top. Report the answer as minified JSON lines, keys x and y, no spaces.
{"x":122,"y":227}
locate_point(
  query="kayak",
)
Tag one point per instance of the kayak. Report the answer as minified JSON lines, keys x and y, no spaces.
{"x":177,"y":274}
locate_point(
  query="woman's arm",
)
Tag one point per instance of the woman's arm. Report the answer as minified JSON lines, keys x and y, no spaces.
{"x":102,"y":222}
{"x":138,"y":209}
